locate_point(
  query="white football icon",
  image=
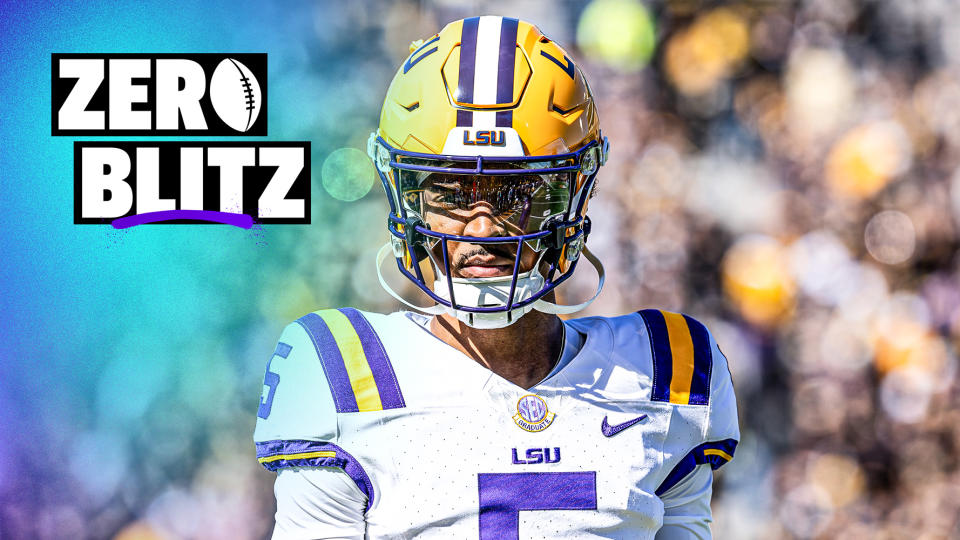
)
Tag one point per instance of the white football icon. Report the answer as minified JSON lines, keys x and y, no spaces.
{"x":235,"y":94}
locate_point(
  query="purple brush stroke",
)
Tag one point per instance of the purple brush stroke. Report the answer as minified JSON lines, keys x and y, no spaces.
{"x":244,"y":221}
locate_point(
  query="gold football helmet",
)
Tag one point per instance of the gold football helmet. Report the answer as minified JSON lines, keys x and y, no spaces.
{"x":489,"y":112}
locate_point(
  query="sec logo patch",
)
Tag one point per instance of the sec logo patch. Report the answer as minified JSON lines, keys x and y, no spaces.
{"x":532,"y":413}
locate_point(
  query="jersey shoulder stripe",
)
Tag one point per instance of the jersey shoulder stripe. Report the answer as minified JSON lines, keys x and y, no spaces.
{"x":715,"y":453}
{"x":355,"y":364}
{"x":682,"y":359}
{"x":276,"y":455}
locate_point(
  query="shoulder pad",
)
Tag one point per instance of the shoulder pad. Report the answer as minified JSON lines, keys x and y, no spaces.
{"x":689,"y":369}
{"x":326,"y":362}
{"x":357,"y":368}
{"x":297,"y":420}
{"x":682,"y":357}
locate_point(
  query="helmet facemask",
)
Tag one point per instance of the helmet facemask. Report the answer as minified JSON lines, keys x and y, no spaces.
{"x":533,"y":210}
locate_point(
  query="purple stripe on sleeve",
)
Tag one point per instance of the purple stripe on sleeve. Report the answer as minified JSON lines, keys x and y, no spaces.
{"x":662,"y":356}
{"x":344,"y":461}
{"x":464,"y":118}
{"x":678,"y":473}
{"x":332,"y":362}
{"x":727,"y":445}
{"x":702,"y":362}
{"x":468,"y":59}
{"x":696,"y":457}
{"x":377,"y":359}
{"x":506,"y":60}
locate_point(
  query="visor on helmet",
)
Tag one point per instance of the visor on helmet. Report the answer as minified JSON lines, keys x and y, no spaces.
{"x":518,"y":203}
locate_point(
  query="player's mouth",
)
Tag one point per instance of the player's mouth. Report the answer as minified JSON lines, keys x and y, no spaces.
{"x":485,"y":265}
{"x":482,"y":271}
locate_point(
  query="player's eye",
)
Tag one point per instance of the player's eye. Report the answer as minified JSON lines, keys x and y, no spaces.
{"x":444,"y":197}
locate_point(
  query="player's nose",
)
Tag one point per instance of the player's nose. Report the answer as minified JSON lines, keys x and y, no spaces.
{"x":481,"y":222}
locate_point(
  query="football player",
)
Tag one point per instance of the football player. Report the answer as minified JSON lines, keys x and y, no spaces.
{"x":485,"y":415}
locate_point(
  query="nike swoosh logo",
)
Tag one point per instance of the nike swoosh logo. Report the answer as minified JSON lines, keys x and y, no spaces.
{"x":610,"y":431}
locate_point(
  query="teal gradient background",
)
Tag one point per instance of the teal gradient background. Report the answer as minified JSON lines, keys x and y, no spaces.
{"x":130,"y":357}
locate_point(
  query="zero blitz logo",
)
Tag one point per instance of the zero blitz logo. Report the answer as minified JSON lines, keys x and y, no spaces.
{"x":134,"y":182}
{"x":160,"y":94}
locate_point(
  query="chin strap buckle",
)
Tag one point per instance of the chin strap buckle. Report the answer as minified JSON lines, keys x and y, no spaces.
{"x":410,"y":230}
{"x":575,"y":247}
{"x":555,"y":239}
{"x":415,"y":239}
{"x":558,"y":233}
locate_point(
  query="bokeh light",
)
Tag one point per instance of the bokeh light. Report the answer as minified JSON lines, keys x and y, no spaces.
{"x":838,"y":475}
{"x":347,"y":174}
{"x":756,"y":277}
{"x":905,"y":395}
{"x":866,"y":158}
{"x":820,"y":89}
{"x":890,"y":237}
{"x":955,"y":196}
{"x":698,"y":58}
{"x":620,"y":33}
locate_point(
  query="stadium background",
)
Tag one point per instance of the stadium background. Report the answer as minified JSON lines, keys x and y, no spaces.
{"x":786,"y":172}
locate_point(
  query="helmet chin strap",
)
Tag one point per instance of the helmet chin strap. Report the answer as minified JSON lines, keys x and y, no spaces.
{"x":385,"y":251}
{"x":563,"y":309}
{"x":492,"y":289}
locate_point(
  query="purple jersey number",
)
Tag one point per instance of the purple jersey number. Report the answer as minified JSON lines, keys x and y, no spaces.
{"x":504,"y":495}
{"x":271,"y":380}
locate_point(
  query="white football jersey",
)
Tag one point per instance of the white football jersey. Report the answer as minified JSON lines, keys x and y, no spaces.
{"x":434,"y":445}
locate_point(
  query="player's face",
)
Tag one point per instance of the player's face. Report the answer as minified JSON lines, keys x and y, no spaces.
{"x":482,"y":206}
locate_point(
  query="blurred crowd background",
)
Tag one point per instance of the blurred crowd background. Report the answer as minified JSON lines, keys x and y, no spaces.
{"x":786,"y":172}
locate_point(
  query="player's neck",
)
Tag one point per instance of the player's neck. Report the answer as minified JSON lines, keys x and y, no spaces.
{"x":523,"y":353}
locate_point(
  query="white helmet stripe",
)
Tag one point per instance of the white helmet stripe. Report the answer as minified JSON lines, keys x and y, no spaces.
{"x":487,"y":62}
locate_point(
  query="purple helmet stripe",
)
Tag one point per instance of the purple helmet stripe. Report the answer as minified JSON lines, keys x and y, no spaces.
{"x":468,"y":64}
{"x":468,"y":59}
{"x":291,"y":448}
{"x":377,"y":359}
{"x":507,"y":60}
{"x":464,"y":118}
{"x":505,"y":118}
{"x":331,"y":360}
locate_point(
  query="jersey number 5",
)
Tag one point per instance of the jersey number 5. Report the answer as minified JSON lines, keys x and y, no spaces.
{"x":504,"y":495}
{"x":271,"y":380}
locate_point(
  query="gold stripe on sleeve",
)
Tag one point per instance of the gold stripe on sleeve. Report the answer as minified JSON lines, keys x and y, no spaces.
{"x":716,"y":452}
{"x":358,"y":369}
{"x":302,"y":455}
{"x":681,"y":348}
